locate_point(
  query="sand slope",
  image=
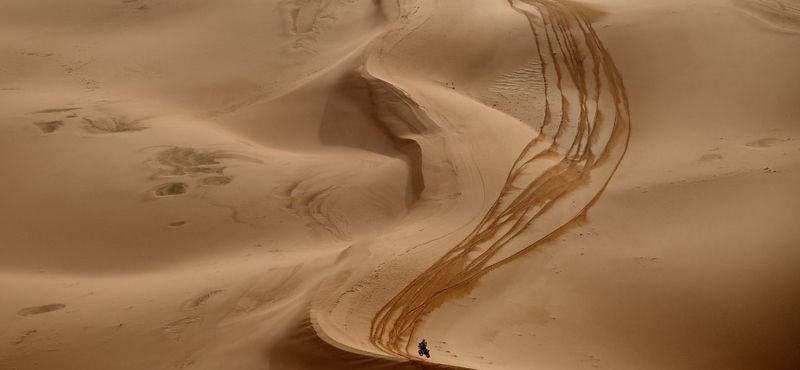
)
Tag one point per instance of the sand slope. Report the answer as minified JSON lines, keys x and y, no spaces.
{"x":320,"y":184}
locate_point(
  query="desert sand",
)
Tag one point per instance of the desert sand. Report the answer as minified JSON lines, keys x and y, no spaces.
{"x":321,"y":184}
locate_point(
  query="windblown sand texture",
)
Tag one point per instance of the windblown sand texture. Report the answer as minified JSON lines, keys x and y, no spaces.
{"x":320,"y":184}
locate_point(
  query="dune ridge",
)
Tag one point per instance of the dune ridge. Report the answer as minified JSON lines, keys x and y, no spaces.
{"x":320,"y":184}
{"x":556,"y":164}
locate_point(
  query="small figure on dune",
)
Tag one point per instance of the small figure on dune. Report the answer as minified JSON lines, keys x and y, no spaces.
{"x":423,"y":349}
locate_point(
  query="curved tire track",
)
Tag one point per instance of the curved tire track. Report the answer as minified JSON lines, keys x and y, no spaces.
{"x":557,"y":177}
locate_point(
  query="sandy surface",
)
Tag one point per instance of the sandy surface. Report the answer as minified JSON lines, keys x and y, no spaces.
{"x":320,"y":184}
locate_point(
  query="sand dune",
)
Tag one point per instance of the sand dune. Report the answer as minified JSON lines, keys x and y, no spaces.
{"x":320,"y":184}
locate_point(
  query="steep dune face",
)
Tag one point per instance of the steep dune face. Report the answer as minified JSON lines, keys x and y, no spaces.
{"x":320,"y":184}
{"x":553,"y":169}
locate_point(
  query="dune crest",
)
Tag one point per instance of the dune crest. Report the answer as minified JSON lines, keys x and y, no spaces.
{"x":554,"y":167}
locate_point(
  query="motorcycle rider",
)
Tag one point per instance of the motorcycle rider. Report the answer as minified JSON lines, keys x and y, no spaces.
{"x":423,"y":349}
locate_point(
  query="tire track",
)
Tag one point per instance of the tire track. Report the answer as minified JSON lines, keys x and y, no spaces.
{"x":556,"y":178}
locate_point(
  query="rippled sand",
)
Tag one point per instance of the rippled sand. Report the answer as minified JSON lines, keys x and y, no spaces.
{"x":320,"y":184}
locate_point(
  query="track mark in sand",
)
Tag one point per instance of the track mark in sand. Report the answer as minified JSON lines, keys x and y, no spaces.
{"x":51,"y":120}
{"x":305,"y":15}
{"x":109,"y":125}
{"x":557,"y":177}
{"x":182,"y":161}
{"x":185,"y":361}
{"x":308,"y":19}
{"x":710,"y":157}
{"x":41,"y":309}
{"x":55,"y":110}
{"x":765,"y":143}
{"x":169,"y":189}
{"x":176,"y":329}
{"x":21,"y":338}
{"x":199,"y":300}
{"x":50,"y":126}
{"x":96,"y":122}
{"x":176,"y":224}
{"x":216,"y":180}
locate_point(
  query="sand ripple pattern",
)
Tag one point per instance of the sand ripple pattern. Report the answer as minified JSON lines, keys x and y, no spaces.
{"x":556,"y":178}
{"x":780,"y":14}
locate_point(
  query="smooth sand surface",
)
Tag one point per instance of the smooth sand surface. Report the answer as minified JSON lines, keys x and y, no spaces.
{"x":320,"y":184}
